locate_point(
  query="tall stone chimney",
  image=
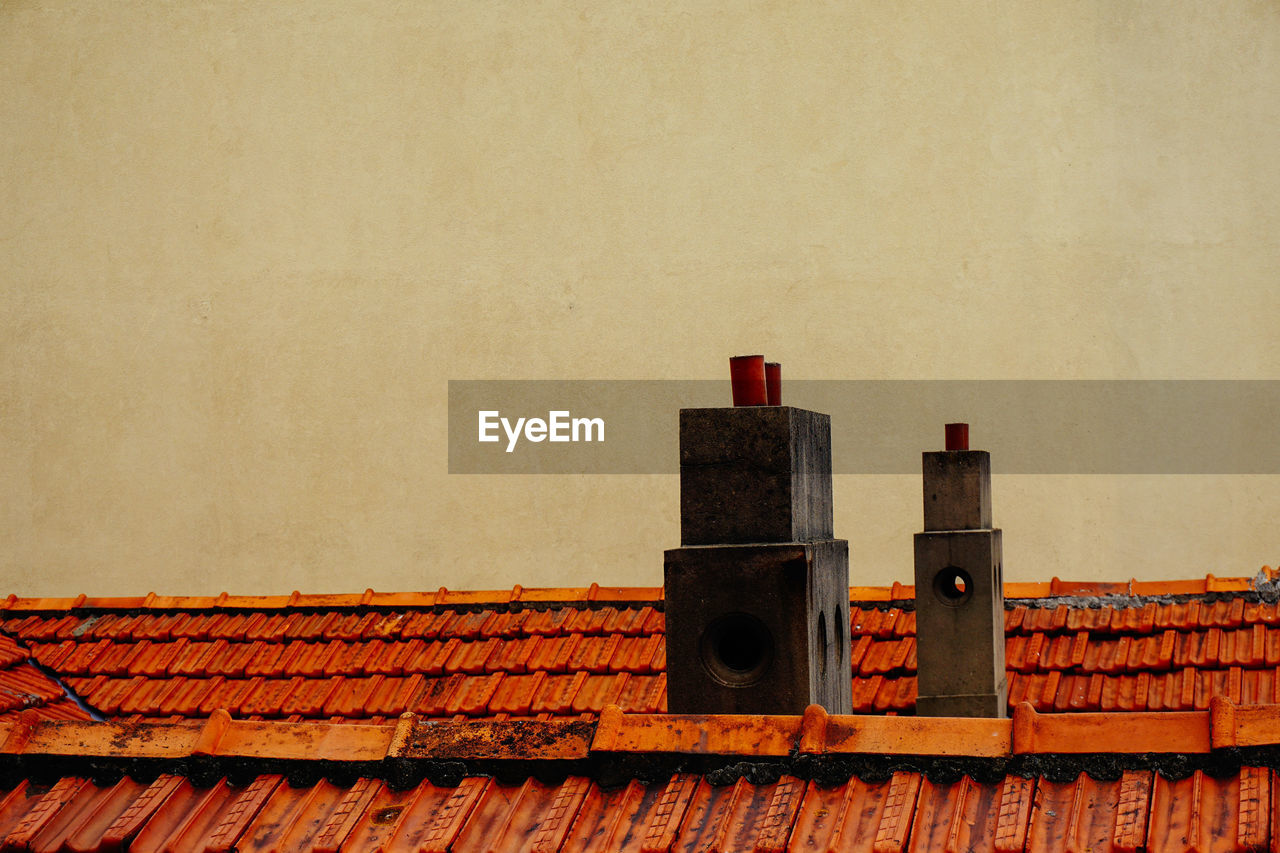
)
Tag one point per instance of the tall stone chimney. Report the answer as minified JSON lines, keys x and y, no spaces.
{"x":757,"y":596}
{"x":959,"y":587}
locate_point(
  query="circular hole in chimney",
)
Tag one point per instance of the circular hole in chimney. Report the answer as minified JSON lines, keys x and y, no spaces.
{"x":736,"y":649}
{"x":953,"y":586}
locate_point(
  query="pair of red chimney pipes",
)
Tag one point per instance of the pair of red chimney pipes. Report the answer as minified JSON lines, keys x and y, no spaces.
{"x":759,"y":383}
{"x":755,"y":383}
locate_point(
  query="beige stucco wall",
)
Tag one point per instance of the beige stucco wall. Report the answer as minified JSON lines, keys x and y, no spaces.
{"x":243,"y":246}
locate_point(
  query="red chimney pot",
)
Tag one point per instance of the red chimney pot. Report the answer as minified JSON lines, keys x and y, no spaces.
{"x":746,"y":375}
{"x":957,"y":436}
{"x":773,"y":382}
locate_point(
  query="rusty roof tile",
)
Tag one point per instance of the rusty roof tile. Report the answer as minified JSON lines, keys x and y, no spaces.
{"x":1084,"y":815}
{"x":366,"y":656}
{"x":656,"y":623}
{"x":10,"y":652}
{"x":515,"y":693}
{"x":395,"y":695}
{"x":635,"y":654}
{"x":418,"y":625}
{"x":267,"y":659}
{"x":305,"y":659}
{"x":463,"y":625}
{"x":629,"y":621}
{"x":644,"y":694}
{"x":552,"y":654}
{"x":398,"y":656}
{"x":52,"y":654}
{"x":470,"y":657}
{"x":434,"y":697}
{"x":588,"y":621}
{"x":878,"y":658}
{"x":557,"y":692}
{"x":593,"y":653}
{"x":343,"y":658}
{"x":503,"y":623}
{"x":186,"y":697}
{"x":598,"y":691}
{"x":548,"y":623}
{"x":511,"y":655}
{"x":473,"y":694}
{"x":434,"y":657}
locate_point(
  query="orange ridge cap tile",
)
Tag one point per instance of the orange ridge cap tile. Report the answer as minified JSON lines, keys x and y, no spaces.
{"x":1183,"y":587}
{"x":1059,"y":587}
{"x":1243,"y":725}
{"x":698,"y":734}
{"x":472,"y":596}
{"x":116,"y":739}
{"x":403,"y":599}
{"x":1090,"y":733}
{"x":1027,"y":590}
{"x":332,"y":741}
{"x":813,"y":730}
{"x":507,"y":739}
{"x":402,"y":733}
{"x":1215,"y":584}
{"x":212,"y":732}
{"x":982,"y":737}
{"x":870,"y":593}
{"x":255,"y":602}
{"x":1190,"y":732}
{"x":552,"y":594}
{"x":628,"y":593}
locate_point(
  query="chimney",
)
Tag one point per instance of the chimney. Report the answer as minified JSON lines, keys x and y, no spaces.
{"x":959,"y":587}
{"x":757,"y":596}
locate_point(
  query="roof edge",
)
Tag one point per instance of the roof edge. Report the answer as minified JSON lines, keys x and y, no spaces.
{"x":1225,"y":726}
{"x":1265,"y":580}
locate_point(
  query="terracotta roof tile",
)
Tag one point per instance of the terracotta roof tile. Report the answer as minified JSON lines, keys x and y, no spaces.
{"x":1139,"y":808}
{"x":1118,"y":656}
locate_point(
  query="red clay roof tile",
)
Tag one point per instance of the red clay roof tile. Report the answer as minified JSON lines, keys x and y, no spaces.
{"x":1138,"y":810}
{"x":1151,"y":655}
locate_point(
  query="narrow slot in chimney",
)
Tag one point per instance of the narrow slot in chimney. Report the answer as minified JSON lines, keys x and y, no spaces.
{"x":959,"y":587}
{"x":757,"y":596}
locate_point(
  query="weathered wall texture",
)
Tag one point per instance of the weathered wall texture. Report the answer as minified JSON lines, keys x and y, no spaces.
{"x":244,"y":245}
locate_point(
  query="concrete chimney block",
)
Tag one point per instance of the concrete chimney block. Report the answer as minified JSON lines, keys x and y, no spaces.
{"x":960,"y":668}
{"x":758,"y":629}
{"x":959,"y":591}
{"x":754,"y":474}
{"x":957,"y":490}
{"x":757,"y":598}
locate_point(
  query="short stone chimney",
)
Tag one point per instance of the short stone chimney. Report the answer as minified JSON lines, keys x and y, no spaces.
{"x":959,"y":587}
{"x":757,"y":596}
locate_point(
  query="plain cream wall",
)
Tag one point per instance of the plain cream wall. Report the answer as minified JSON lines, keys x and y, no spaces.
{"x":244,"y":245}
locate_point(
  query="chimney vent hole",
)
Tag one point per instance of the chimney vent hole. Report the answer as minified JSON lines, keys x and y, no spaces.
{"x":823,"y":643}
{"x":953,"y":586}
{"x":736,"y":649}
{"x":841,"y":619}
